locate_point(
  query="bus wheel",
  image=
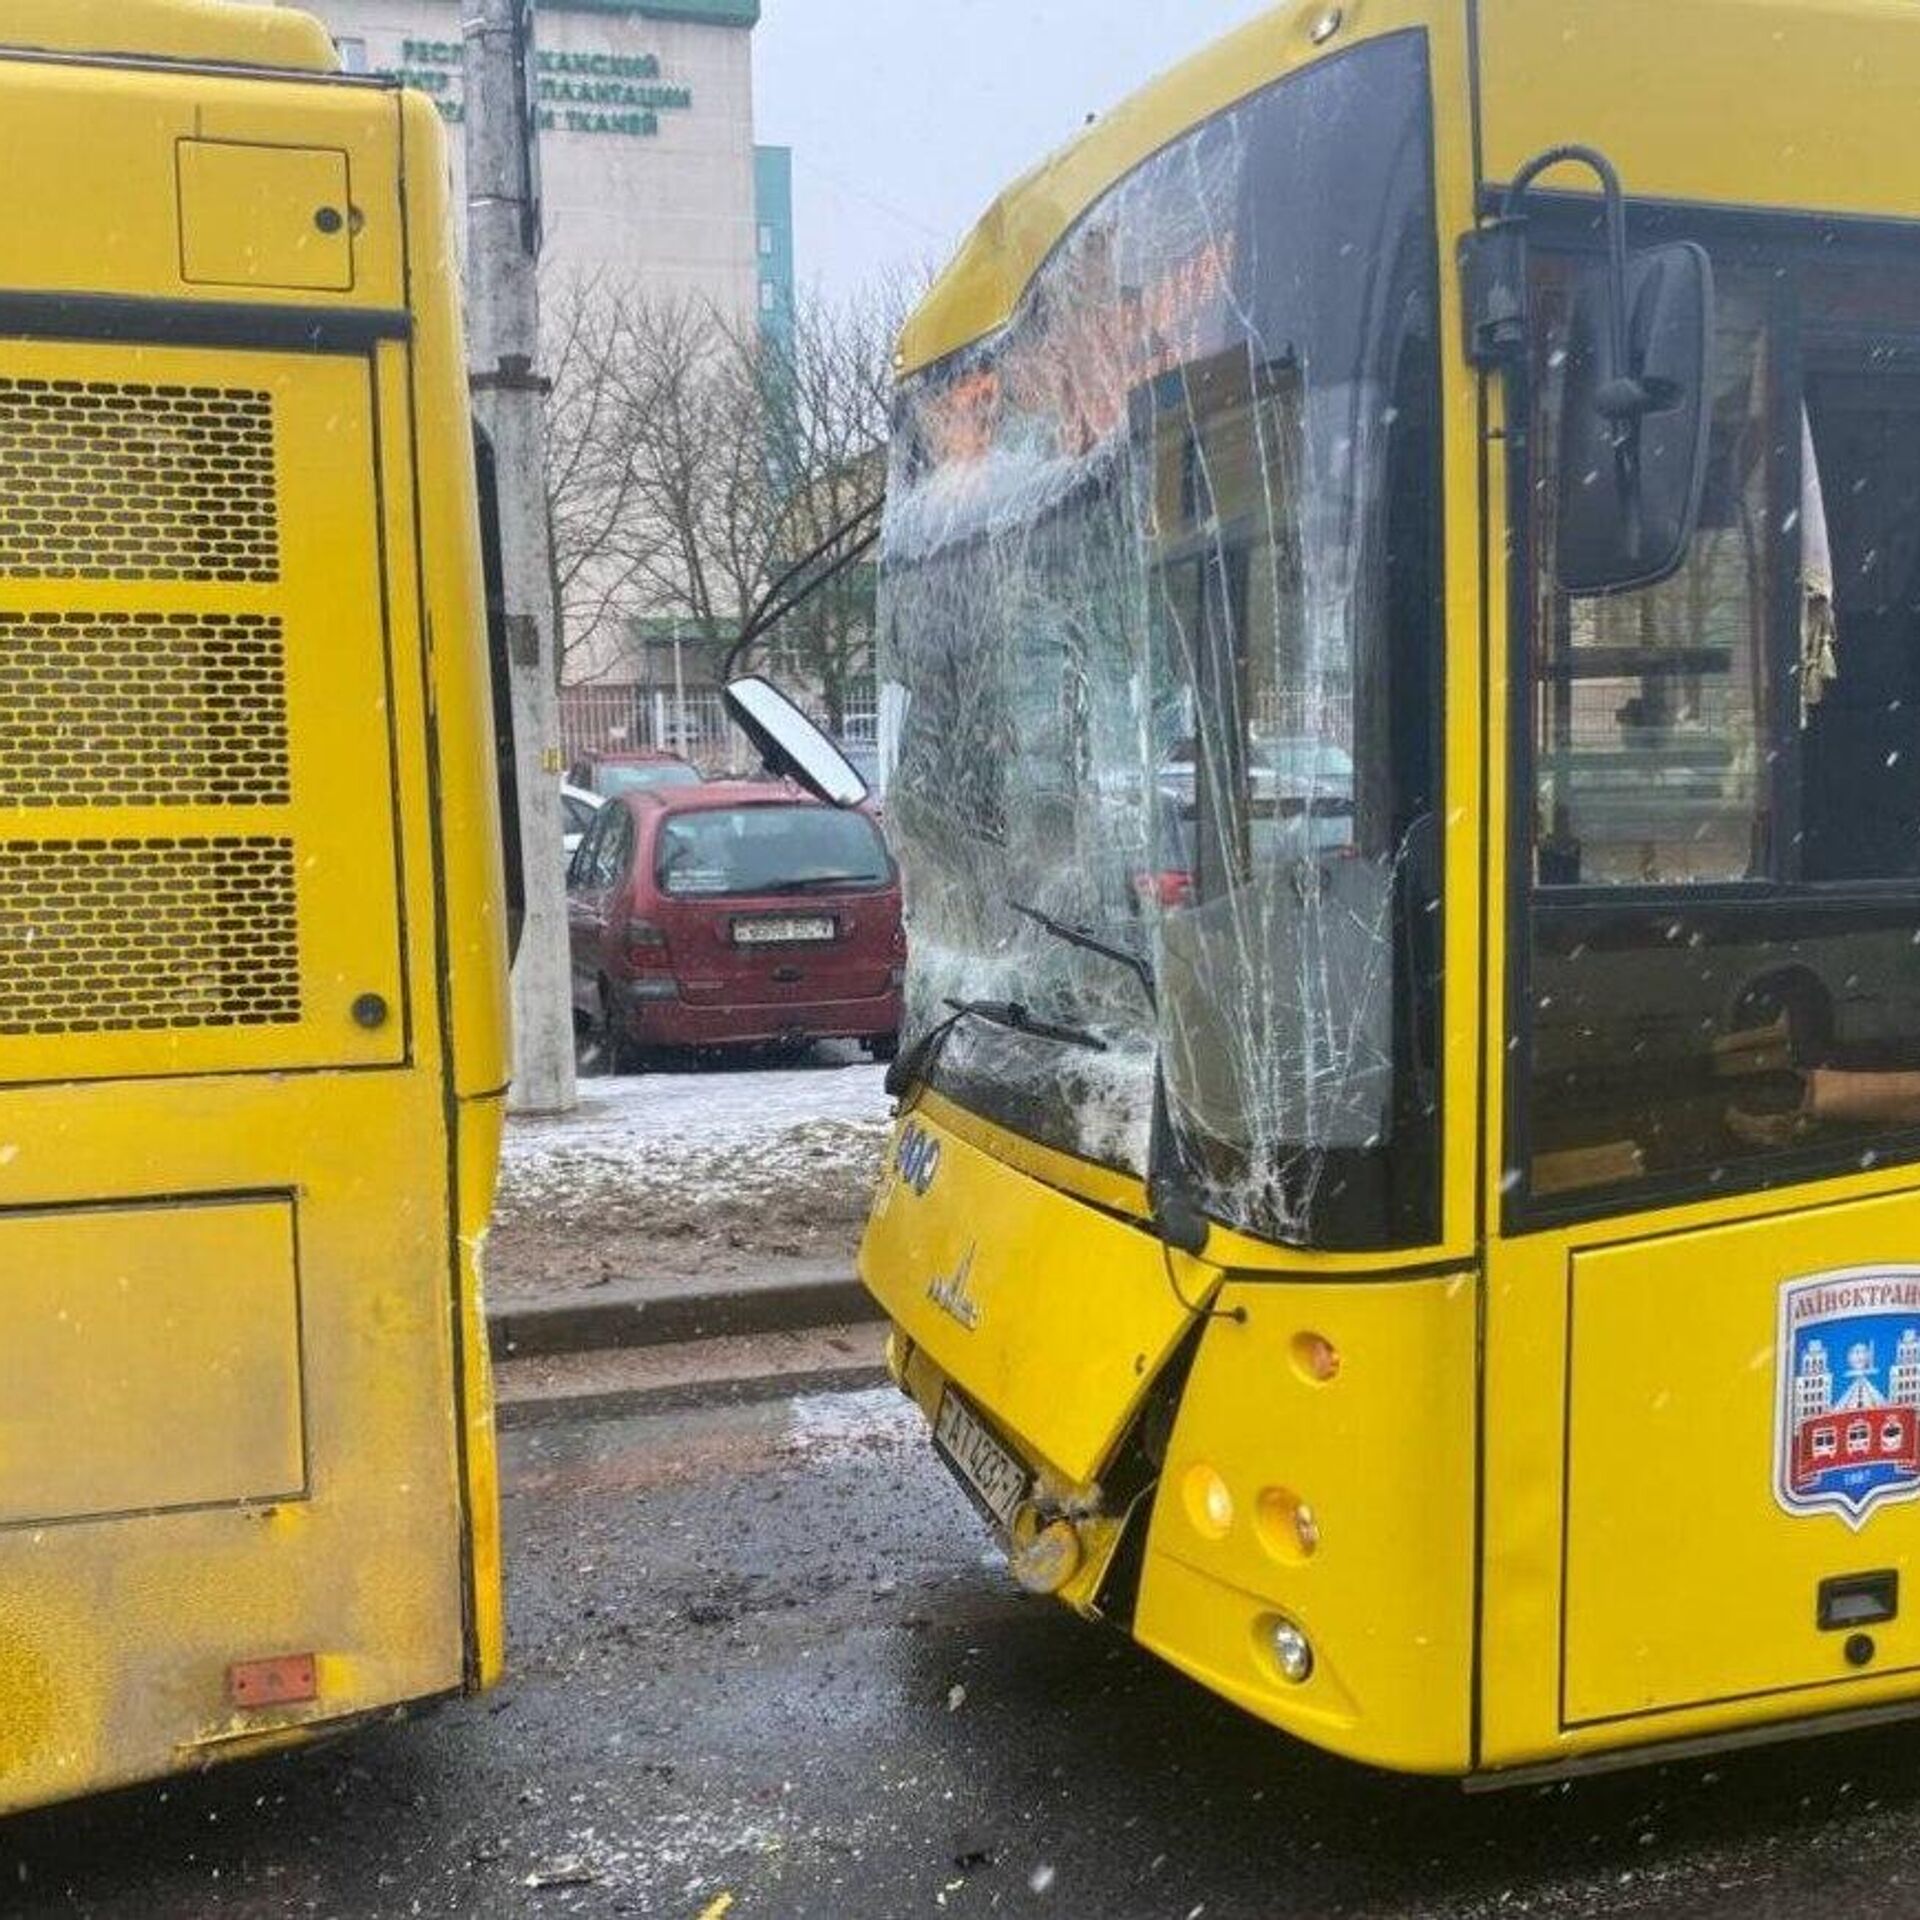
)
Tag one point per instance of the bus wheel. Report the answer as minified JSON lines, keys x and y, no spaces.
{"x":885,"y":1048}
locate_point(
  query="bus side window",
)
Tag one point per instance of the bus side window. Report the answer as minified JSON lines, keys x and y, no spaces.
{"x":505,"y":761}
{"x":1860,"y":793}
{"x":1726,"y":777}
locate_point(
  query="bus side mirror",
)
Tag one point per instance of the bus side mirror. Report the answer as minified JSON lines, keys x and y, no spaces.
{"x":1633,"y":442}
{"x":790,"y":745}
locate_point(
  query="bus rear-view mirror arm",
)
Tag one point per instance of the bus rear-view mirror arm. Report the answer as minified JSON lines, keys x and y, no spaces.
{"x":788,"y":742}
{"x":790,"y":745}
{"x":1632,"y":397}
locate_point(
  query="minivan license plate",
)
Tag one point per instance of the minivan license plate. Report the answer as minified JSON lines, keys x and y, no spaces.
{"x":790,"y":931}
{"x":980,"y":1460}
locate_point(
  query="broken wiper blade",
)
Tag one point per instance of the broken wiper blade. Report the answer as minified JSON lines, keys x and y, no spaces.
{"x":1177,"y":1213}
{"x":1136,"y":964}
{"x":1018,"y":1019}
{"x":914,"y":1065}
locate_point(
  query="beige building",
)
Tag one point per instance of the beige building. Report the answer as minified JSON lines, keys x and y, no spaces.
{"x":649,"y":169}
{"x":650,"y":177}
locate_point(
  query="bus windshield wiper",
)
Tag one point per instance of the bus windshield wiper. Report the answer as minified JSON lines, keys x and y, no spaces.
{"x":1018,"y":1019}
{"x":1177,"y":1214}
{"x":1136,"y":964}
{"x":912,"y":1066}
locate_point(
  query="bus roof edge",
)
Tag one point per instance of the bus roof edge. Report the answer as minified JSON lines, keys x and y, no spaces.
{"x":205,"y":32}
{"x":987,"y":277}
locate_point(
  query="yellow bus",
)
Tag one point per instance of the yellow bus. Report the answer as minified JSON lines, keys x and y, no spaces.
{"x":1401,"y":615}
{"x":252,"y":919}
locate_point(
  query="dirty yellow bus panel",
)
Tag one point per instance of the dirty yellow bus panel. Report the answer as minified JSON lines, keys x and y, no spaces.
{"x":252,"y":1008}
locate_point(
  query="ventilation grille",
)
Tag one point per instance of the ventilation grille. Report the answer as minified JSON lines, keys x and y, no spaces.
{"x":105,"y":936}
{"x":109,"y":481}
{"x":142,"y":710}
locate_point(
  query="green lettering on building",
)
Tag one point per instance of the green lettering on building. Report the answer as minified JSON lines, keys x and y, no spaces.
{"x":602,"y":66}
{"x":569,"y":84}
{"x":615,"y":93}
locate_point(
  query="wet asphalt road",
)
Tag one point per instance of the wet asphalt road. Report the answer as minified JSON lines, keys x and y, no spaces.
{"x":764,"y":1652}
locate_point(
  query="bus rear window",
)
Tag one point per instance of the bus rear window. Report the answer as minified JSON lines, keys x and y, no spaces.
{"x":742,"y":850}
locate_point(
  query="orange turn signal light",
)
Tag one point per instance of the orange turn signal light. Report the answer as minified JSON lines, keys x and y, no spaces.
{"x":288,"y":1681}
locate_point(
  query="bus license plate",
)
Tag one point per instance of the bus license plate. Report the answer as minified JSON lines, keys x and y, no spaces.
{"x":980,"y":1460}
{"x":783,"y":933}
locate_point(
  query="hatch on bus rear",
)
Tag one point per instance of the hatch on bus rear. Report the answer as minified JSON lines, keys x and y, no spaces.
{"x":1048,"y":1319}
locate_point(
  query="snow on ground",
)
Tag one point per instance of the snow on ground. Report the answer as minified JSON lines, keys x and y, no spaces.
{"x":834,"y":1426}
{"x":696,"y":1129}
{"x":706,"y":1171}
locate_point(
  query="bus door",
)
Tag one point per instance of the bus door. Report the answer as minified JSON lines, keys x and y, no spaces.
{"x":1714,"y":1107}
{"x":228,"y":1494}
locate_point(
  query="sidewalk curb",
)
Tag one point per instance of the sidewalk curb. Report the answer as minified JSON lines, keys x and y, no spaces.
{"x":545,"y":1329}
{"x":620,"y":1404}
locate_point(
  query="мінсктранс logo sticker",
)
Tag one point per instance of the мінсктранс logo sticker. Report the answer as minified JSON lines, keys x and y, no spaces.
{"x":1847,"y":1387}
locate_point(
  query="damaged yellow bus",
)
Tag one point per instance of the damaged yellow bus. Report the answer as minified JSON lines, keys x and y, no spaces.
{"x":253,"y":936}
{"x":1401,"y":651}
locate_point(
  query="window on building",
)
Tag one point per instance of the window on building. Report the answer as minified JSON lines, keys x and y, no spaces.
{"x":769,"y":296}
{"x":766,"y":241}
{"x":353,"y":53}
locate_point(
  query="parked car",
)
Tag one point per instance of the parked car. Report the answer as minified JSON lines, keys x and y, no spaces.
{"x":734,"y":915}
{"x":637,"y":771}
{"x":1299,"y":795}
{"x":1299,"y":807}
{"x":577,"y":809}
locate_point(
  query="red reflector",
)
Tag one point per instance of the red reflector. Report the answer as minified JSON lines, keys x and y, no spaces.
{"x":285,"y":1682}
{"x":1167,"y":889}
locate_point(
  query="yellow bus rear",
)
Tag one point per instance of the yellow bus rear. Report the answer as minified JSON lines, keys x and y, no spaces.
{"x":252,"y":923}
{"x":1422,"y":1230}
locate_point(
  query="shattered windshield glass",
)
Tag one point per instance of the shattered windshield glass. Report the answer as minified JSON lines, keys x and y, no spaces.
{"x":1160,"y":631}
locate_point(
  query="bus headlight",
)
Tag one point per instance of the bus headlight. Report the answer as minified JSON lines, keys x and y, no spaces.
{"x":1292,"y":1651}
{"x":1042,"y":1555}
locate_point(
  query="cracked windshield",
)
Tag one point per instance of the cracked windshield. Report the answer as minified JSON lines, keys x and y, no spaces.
{"x":959,"y":960}
{"x":1158,"y":611}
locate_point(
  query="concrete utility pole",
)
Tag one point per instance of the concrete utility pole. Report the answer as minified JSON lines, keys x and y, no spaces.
{"x":503,"y":325}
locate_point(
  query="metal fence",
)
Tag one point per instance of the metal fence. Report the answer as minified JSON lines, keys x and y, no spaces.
{"x":624,"y":718}
{"x":1323,"y":712}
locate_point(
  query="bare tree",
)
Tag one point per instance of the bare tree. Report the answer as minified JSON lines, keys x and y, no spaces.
{"x":592,"y":480}
{"x":826,"y":395}
{"x":696,"y":462}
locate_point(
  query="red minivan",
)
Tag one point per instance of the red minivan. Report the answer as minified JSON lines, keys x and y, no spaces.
{"x":734,"y":915}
